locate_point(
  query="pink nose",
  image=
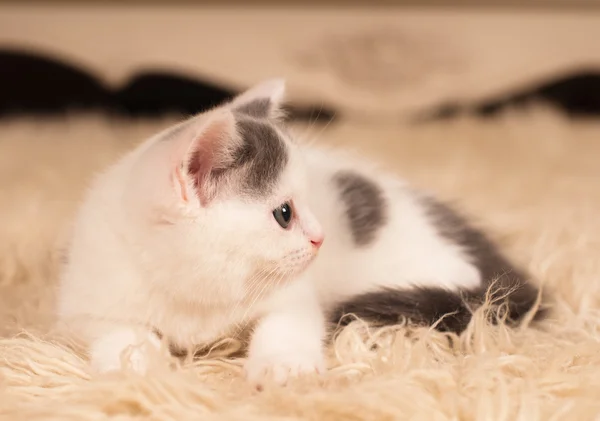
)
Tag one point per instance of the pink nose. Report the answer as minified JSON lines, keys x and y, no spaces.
{"x":316,"y":242}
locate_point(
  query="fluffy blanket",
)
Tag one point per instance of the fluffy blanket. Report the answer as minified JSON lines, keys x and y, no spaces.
{"x":532,"y":179}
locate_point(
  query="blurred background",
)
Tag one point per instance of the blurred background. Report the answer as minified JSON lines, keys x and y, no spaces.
{"x":369,"y":60}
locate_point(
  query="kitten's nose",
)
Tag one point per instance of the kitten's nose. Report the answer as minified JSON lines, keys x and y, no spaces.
{"x":317,"y":241}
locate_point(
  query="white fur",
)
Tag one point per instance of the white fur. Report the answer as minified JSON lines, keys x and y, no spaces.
{"x":146,"y":253}
{"x":408,"y":252}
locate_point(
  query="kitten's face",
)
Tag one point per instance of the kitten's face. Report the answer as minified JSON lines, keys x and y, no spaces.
{"x":275,"y":236}
{"x":240,"y":184}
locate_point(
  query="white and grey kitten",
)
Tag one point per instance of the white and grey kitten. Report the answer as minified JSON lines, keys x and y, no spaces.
{"x":224,"y":220}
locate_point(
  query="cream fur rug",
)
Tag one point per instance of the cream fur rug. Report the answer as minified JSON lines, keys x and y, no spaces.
{"x":533,"y":179}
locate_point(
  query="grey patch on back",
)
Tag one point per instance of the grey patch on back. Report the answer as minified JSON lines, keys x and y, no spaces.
{"x":259,"y":108}
{"x":263,"y":156}
{"x":456,"y":229}
{"x":366,"y":206}
{"x":500,"y":277}
{"x":507,"y":288}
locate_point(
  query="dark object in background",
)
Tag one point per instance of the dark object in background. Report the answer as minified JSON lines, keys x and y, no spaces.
{"x":577,"y":95}
{"x":32,"y":84}
{"x":153,"y":94}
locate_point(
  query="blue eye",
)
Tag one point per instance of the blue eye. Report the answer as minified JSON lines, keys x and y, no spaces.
{"x":283,"y":215}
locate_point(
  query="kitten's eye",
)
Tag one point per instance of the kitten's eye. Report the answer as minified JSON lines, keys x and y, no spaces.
{"x":283,"y":215}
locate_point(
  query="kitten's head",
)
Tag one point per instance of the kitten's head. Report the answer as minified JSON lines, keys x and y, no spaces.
{"x":228,"y":190}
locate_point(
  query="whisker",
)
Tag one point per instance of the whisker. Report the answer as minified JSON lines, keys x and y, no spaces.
{"x":257,"y":288}
{"x":281,"y":277}
{"x":251,"y":284}
{"x":315,"y":138}
{"x":257,"y":297}
{"x":305,"y":136}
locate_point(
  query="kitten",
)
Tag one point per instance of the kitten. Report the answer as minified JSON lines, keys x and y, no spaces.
{"x":224,"y":219}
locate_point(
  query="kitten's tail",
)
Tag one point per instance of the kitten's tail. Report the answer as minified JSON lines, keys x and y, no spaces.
{"x":447,"y":310}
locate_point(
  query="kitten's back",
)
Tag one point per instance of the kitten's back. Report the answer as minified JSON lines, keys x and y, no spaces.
{"x":393,"y":253}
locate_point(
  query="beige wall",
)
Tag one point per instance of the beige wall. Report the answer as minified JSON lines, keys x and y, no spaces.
{"x":524,"y":4}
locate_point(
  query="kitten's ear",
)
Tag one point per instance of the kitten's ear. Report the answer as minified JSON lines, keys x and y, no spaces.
{"x":262,"y":101}
{"x":209,"y":154}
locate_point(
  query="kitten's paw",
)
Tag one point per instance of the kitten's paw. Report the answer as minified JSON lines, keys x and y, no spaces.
{"x":123,"y":349}
{"x":278,"y":368}
{"x":138,"y":359}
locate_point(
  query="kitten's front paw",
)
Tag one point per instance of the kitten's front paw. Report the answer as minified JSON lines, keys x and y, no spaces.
{"x":279,"y":367}
{"x":123,"y":349}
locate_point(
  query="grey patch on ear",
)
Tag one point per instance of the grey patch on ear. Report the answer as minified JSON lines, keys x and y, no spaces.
{"x":366,"y":206}
{"x":260,"y":108}
{"x":263,"y":154}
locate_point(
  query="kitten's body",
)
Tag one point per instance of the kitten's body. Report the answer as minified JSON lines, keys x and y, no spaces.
{"x":391,"y":251}
{"x":181,"y":237}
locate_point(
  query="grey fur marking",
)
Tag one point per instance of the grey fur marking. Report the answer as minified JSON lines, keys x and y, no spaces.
{"x":455,"y":227}
{"x":497,"y":271}
{"x":263,"y":155}
{"x":366,"y":206}
{"x":259,"y":108}
{"x":507,"y":286}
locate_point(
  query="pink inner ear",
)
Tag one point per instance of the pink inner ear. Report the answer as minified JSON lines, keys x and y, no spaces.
{"x":204,"y":158}
{"x":182,"y":185}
